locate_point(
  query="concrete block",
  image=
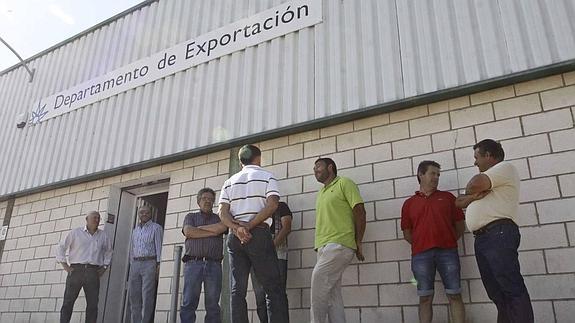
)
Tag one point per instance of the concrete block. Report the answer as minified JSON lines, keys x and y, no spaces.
{"x":303,"y":137}
{"x":550,"y":287}
{"x":444,"y":158}
{"x":553,"y":164}
{"x":301,"y":239}
{"x":499,"y":130}
{"x":522,"y":168}
{"x":526,"y":146}
{"x":392,"y":169}
{"x":308,"y":219}
{"x":471,"y":116}
{"x":370,"y":122}
{"x":52,"y":203}
{"x":560,"y":260}
{"x":318,"y":147}
{"x":73,"y":210}
{"x":389,"y":209}
{"x":83,"y":196}
{"x":532,"y":262}
{"x":547,"y":121}
{"x":192,"y":188}
{"x":539,"y":85}
{"x":302,"y":167}
{"x":527,"y":215}
{"x":37,"y":278}
{"x":291,"y":186}
{"x":558,"y":98}
{"x":517,"y":106}
{"x":569,"y":78}
{"x":216,"y":182}
{"x":308,"y":258}
{"x":48,"y":304}
{"x":381,"y":314}
{"x":380,"y":230}
{"x":376,"y":191}
{"x":411,"y":147}
{"x":392,"y":132}
{"x":354,"y":140}
{"x":393,"y":250}
{"x":562,"y":140}
{"x":194,"y":161}
{"x":206,"y":170}
{"x":302,"y":202}
{"x":179,"y":205}
{"x":336,"y":130}
{"x":360,"y":295}
{"x":299,"y":278}
{"x":223,"y":167}
{"x":564,"y":311}
{"x":453,"y":139}
{"x":310,"y":184}
{"x":182,"y":175}
{"x":493,"y":95}
{"x":556,"y":210}
{"x":360,"y":174}
{"x":397,"y":294}
{"x":538,"y":189}
{"x":567,"y":184}
{"x":273,"y":143}
{"x":408,"y":114}
{"x":555,"y":237}
{"x":350,"y":276}
{"x":428,"y":125}
{"x":279,"y":170}
{"x":373,"y":154}
{"x":287,"y":153}
{"x":342,"y":160}
{"x":379,"y":273}
{"x":405,"y":187}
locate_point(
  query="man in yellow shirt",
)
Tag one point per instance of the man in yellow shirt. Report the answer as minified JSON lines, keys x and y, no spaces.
{"x":492,"y":199}
{"x":340,"y":225}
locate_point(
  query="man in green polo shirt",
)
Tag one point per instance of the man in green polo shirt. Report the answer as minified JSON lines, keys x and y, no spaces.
{"x":339,"y":228}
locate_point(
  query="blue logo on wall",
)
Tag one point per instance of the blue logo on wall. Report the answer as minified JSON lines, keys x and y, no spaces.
{"x":39,"y":113}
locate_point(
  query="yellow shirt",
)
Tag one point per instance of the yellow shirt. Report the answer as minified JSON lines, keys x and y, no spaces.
{"x":501,"y":203}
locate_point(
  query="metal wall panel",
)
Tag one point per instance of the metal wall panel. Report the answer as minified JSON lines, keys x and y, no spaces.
{"x":363,"y":54}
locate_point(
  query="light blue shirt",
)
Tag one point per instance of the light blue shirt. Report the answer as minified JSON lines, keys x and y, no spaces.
{"x":147,"y":240}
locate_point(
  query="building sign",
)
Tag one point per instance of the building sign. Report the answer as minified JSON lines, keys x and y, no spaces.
{"x":280,"y":20}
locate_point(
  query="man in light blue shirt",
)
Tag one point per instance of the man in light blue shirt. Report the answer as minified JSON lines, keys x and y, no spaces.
{"x":145,"y":257}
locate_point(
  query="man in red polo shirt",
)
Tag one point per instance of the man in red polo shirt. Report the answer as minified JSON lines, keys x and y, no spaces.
{"x":432,"y":225}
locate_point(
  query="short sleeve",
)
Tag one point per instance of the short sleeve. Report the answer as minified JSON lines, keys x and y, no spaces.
{"x":283,"y":210}
{"x":405,"y":218}
{"x":351,"y":192}
{"x":272,"y":188}
{"x":501,"y":174}
{"x":456,"y":213}
{"x":224,"y":193}
{"x":189,"y":220}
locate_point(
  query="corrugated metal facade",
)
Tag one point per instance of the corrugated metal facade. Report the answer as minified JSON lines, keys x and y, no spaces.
{"x":364,"y":53}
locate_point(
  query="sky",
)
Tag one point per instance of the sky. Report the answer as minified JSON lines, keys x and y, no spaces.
{"x":31,"y":26}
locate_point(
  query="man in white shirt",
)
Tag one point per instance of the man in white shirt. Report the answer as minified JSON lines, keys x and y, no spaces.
{"x":85,"y":254}
{"x":146,"y":255}
{"x":492,"y":200}
{"x":247,"y":201}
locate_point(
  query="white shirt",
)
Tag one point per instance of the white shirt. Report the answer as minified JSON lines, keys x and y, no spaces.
{"x":81,"y":247}
{"x":501,"y":203}
{"x":246,"y":192}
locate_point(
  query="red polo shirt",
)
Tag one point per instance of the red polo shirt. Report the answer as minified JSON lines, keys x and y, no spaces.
{"x":431,"y":220}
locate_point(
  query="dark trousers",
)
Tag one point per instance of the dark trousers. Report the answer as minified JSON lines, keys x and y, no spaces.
{"x":262,"y":301}
{"x":497,"y":258}
{"x":81,"y":277}
{"x":260,"y":254}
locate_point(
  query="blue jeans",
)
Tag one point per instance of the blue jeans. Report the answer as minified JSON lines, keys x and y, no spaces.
{"x":209,"y":273}
{"x":445,"y":261}
{"x":142,"y":290}
{"x":497,"y":259}
{"x":262,"y":301}
{"x":260,"y":254}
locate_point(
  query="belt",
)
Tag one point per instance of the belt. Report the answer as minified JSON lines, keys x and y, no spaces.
{"x":204,"y":259}
{"x":85,"y":266}
{"x":263,"y":225}
{"x":490,"y":226}
{"x":144,"y":258}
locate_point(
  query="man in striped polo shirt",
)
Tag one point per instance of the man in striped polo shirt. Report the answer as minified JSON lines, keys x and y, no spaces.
{"x":247,"y":201}
{"x":145,"y":257}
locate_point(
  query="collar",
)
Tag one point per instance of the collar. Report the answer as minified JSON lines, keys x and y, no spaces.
{"x":421,"y":194}
{"x":145,"y":224}
{"x":86,"y":230}
{"x":336,"y":179}
{"x":251,"y":167}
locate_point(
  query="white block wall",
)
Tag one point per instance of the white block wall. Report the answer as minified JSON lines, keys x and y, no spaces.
{"x":533,"y":120}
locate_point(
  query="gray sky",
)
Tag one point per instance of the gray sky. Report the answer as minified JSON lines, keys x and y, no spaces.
{"x":30,"y":26}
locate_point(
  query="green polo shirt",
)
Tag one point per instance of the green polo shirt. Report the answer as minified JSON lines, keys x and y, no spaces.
{"x":334,"y":221}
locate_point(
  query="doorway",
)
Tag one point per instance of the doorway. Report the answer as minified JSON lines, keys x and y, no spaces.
{"x":114,"y":303}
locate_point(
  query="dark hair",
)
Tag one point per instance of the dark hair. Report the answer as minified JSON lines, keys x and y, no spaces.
{"x":248,"y":154}
{"x":328,"y":161}
{"x":492,"y":147}
{"x":423,"y":166}
{"x":205,"y":190}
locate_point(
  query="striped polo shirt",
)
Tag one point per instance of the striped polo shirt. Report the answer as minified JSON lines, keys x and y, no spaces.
{"x":147,"y":240}
{"x":246,"y":192}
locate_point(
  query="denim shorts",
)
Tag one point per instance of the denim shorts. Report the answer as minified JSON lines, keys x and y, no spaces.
{"x":446,"y":261}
